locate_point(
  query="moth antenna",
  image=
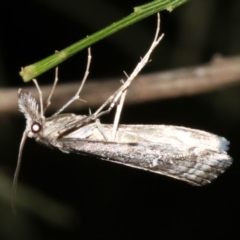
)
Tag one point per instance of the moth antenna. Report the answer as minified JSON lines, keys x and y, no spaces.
{"x":15,"y":178}
{"x":40,"y":97}
{"x":76,"y":96}
{"x":48,"y":102}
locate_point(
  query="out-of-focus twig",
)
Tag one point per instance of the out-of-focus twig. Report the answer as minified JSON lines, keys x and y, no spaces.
{"x":220,"y":72}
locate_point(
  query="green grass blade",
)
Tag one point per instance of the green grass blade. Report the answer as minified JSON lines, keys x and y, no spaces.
{"x":140,"y":12}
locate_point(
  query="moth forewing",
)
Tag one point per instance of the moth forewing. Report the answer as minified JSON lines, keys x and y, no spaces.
{"x":170,"y":150}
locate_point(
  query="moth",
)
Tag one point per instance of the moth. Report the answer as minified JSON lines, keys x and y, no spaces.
{"x":186,"y":154}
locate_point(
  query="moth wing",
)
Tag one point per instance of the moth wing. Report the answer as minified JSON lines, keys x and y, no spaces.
{"x":195,"y":165}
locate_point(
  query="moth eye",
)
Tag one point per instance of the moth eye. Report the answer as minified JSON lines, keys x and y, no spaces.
{"x":36,"y":127}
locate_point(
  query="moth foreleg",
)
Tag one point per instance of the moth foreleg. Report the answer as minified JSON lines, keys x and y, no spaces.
{"x":77,"y":95}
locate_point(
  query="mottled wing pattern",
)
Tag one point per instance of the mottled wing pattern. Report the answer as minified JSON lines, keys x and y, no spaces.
{"x":173,"y":156}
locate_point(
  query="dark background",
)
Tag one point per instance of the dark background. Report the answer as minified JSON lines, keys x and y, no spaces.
{"x":63,"y":196}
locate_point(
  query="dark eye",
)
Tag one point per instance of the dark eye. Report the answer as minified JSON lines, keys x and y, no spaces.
{"x":36,"y":127}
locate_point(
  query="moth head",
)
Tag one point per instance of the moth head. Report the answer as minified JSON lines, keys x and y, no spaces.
{"x":28,"y":106}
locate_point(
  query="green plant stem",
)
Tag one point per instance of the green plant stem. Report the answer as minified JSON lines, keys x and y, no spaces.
{"x":140,"y":12}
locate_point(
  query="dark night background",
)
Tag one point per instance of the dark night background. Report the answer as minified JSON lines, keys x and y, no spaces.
{"x":66,"y":196}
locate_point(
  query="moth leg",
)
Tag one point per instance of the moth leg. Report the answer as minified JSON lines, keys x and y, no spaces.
{"x":113,"y":99}
{"x":101,"y":129}
{"x":77,"y":95}
{"x":48,"y":102}
{"x":117,"y":115}
{"x":112,"y":103}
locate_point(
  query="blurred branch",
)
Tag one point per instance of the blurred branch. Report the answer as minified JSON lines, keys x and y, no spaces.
{"x":220,"y":72}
